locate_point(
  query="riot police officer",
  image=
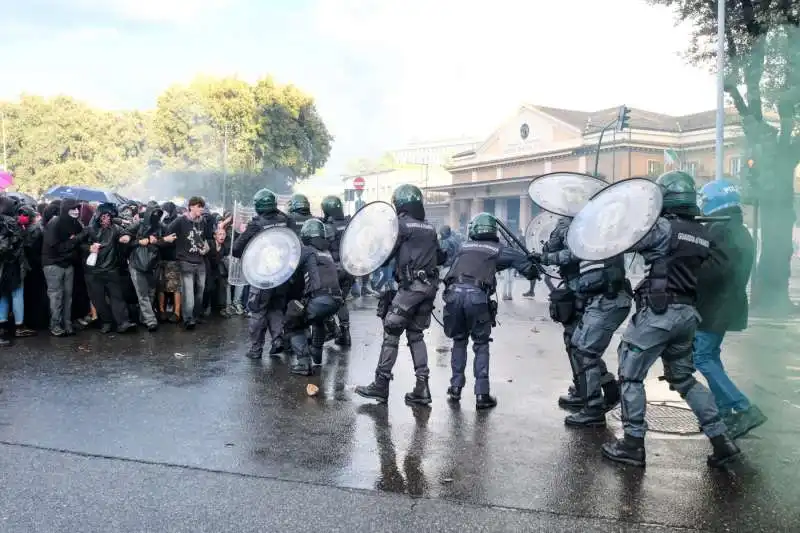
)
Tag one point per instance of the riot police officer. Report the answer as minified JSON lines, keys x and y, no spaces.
{"x":335,"y":224}
{"x":409,"y":309}
{"x":299,"y":210}
{"x":469,"y":310}
{"x":564,"y":308}
{"x":320,"y":299}
{"x":266,"y":306}
{"x":602,"y":293}
{"x":664,"y":325}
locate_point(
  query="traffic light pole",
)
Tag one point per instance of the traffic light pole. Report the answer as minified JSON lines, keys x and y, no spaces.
{"x":599,"y":142}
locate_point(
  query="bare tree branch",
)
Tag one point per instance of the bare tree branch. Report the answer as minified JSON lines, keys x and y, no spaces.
{"x":738,"y":101}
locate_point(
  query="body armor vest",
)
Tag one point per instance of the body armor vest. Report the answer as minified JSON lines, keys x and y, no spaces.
{"x":336,"y":229}
{"x":676,"y":274}
{"x":298,"y":219}
{"x":417,"y":253}
{"x":476,"y":264}
{"x":273,"y":220}
{"x":601,"y":276}
{"x":328,"y":274}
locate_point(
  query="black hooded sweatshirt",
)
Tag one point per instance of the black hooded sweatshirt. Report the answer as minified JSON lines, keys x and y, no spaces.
{"x":62,"y":236}
{"x":109,"y":258}
{"x":148,"y":225}
{"x":169,"y":252}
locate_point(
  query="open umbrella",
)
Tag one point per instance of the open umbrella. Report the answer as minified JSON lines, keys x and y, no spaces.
{"x":22,"y":197}
{"x":6,"y":179}
{"x":83,"y":194}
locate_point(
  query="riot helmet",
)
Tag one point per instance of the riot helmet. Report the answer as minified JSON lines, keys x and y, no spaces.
{"x":332,"y":207}
{"x":679,"y":191}
{"x":265,"y":202}
{"x":312,"y":233}
{"x":719,"y":195}
{"x":408,"y":199}
{"x":299,"y":203}
{"x":483,"y":226}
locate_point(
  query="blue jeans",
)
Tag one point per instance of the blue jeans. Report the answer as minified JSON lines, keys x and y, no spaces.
{"x":707,"y":352}
{"x":17,"y":305}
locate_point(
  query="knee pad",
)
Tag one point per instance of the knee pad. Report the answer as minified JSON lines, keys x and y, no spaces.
{"x":391,"y":339}
{"x":414,"y":336}
{"x":681,"y":384}
{"x":392,"y":329}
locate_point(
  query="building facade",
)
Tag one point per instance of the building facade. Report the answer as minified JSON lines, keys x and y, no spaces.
{"x":495,"y":176}
{"x":379,"y":186}
{"x":435,"y":153}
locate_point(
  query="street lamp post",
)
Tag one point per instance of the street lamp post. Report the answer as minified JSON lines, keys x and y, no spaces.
{"x":720,"y":89}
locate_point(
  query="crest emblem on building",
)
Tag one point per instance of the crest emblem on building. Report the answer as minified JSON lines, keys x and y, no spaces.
{"x":524,"y":131}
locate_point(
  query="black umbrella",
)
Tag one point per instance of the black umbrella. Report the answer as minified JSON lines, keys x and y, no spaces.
{"x":83,"y":194}
{"x":22,"y":197}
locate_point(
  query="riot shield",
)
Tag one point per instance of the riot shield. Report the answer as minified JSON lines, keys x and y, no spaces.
{"x":271,"y":258}
{"x":615,"y":219}
{"x":537,"y":233}
{"x":564,"y":193}
{"x":369,"y":238}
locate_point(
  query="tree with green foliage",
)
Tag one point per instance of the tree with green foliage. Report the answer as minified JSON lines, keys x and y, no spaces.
{"x":762,"y":48}
{"x":258,"y":135}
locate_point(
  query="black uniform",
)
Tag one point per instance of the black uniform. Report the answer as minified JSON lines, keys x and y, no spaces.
{"x":320,"y":299}
{"x":469,"y":311}
{"x":417,"y":254}
{"x":335,"y":229}
{"x":266,"y":306}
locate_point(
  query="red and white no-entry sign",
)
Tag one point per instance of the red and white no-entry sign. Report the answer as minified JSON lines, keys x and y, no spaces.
{"x":358,"y":184}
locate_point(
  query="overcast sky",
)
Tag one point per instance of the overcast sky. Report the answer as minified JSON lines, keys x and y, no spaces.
{"x":383,"y":72}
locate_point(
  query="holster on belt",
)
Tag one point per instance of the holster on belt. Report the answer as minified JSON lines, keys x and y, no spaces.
{"x":563,"y":304}
{"x":384,"y":302}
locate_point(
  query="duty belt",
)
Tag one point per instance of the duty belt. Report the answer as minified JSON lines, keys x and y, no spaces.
{"x":642,"y":299}
{"x":336,"y":293}
{"x":409,"y":276}
{"x":466,"y":280}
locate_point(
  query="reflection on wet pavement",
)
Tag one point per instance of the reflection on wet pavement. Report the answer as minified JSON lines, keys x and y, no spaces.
{"x":193,"y":399}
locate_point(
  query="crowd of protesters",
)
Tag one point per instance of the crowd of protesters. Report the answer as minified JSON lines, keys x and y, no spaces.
{"x":67,"y":266}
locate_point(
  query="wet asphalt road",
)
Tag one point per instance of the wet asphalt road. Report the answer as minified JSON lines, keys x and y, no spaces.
{"x":177,"y":431}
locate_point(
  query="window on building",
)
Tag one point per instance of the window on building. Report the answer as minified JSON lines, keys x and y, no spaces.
{"x":691,"y":168}
{"x":349,"y":195}
{"x":499,"y":172}
{"x":654,"y":168}
{"x":735,"y":166}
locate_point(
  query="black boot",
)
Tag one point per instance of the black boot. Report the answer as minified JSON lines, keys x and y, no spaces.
{"x":742,"y":423}
{"x":302,"y":366}
{"x":570,"y":400}
{"x":485,"y":401}
{"x":586,"y":417}
{"x":377,"y":390}
{"x":4,"y":341}
{"x":343,"y":339}
{"x":725,"y":451}
{"x":277,"y":346}
{"x":628,"y":450}
{"x":421,"y":395}
{"x":316,"y":355}
{"x":611,"y":392}
{"x":255,"y":352}
{"x":454,"y":394}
